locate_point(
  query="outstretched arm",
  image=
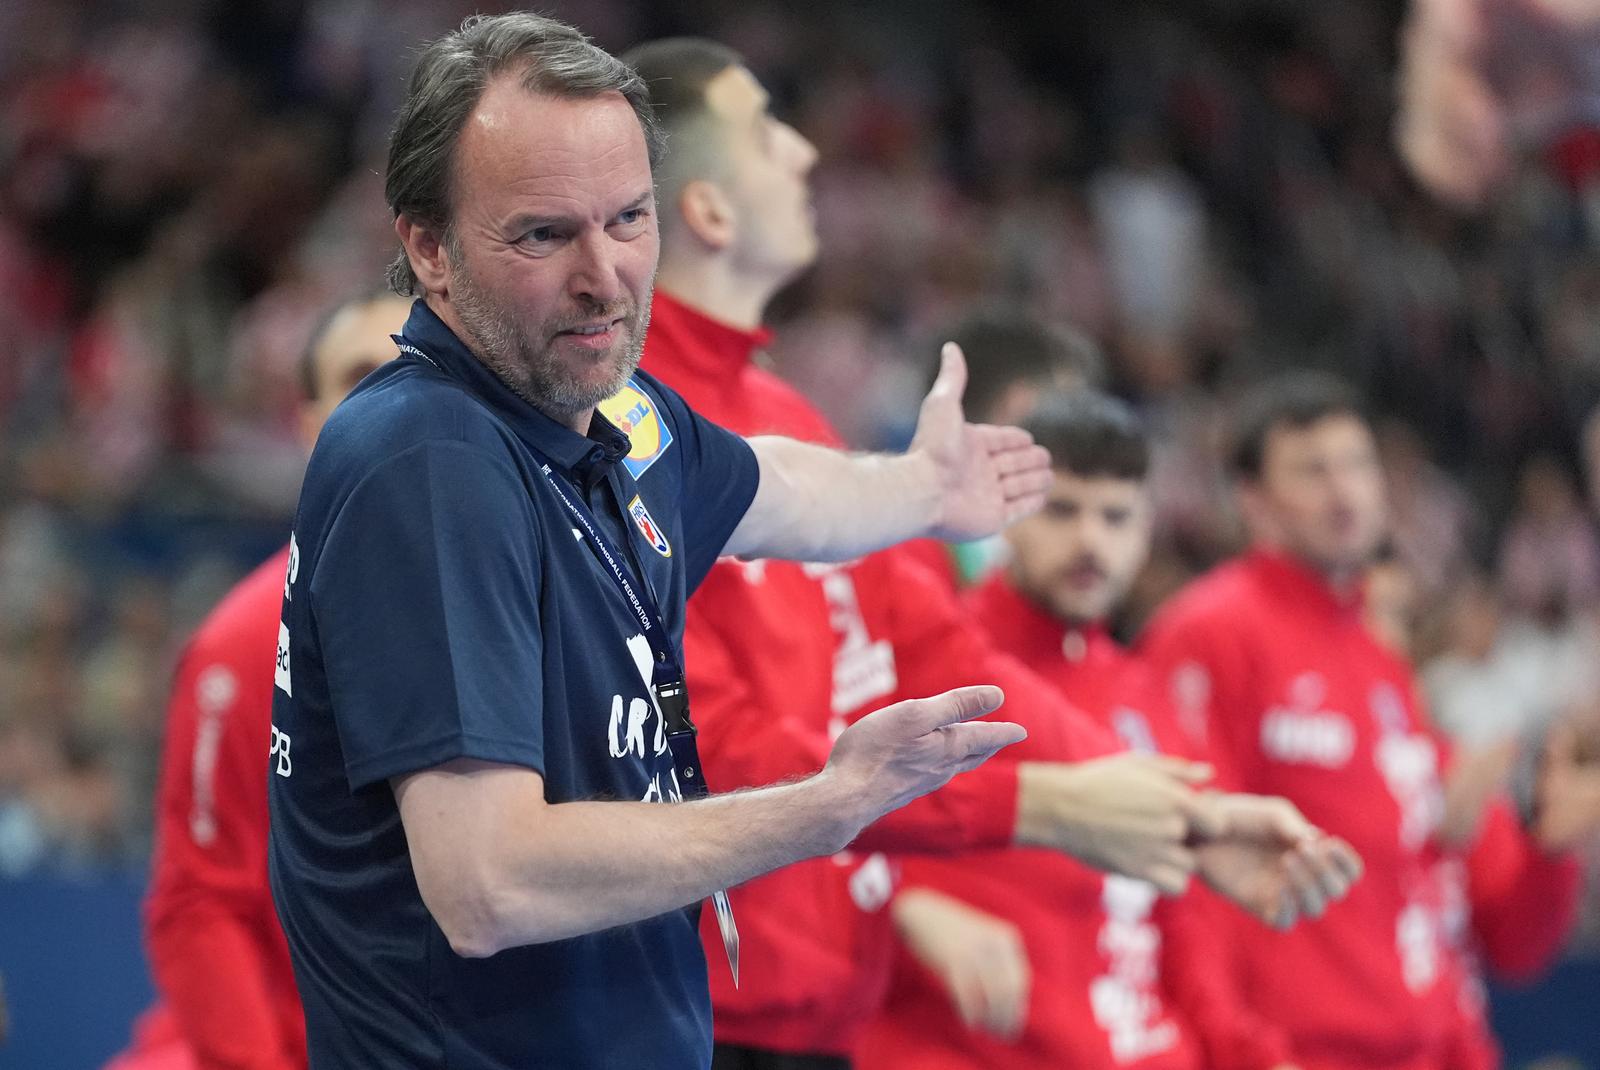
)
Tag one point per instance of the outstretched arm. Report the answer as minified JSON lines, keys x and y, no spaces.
{"x":957,"y":481}
{"x":499,"y":867}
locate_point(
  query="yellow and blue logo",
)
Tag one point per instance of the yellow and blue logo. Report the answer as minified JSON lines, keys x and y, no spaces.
{"x":636,"y":414}
{"x":648,"y":527}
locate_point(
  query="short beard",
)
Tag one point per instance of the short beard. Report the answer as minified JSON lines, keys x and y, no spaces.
{"x":534,"y":374}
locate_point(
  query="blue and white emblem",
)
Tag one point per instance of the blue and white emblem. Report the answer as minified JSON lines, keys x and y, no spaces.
{"x":648,"y":527}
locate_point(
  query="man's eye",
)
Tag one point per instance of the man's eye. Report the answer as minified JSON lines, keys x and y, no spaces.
{"x":539,"y":234}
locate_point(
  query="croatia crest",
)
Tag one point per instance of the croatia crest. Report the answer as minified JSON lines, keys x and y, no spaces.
{"x":648,"y":527}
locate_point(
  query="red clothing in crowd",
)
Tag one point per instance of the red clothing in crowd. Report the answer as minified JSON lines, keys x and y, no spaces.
{"x":219,"y":956}
{"x":1102,"y":949}
{"x":1281,"y":681}
{"x":780,"y":657}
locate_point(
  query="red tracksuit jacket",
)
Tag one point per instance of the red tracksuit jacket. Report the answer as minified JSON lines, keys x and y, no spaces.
{"x":1120,"y":978}
{"x":1291,"y":695}
{"x":780,"y":656}
{"x":219,"y":956}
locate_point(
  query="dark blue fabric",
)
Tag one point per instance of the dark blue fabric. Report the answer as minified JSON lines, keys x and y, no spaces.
{"x":441,"y":607}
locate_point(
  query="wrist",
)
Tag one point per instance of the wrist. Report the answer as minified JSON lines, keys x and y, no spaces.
{"x":1037,"y":820}
{"x":833,"y":815}
{"x":915,"y":474}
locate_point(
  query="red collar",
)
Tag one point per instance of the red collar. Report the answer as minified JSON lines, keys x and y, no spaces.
{"x":697,"y":343}
{"x":1296,"y":581}
{"x":1032,"y":633}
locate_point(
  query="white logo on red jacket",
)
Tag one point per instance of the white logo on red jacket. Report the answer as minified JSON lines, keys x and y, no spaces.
{"x":1123,"y":999}
{"x":1302,"y":732}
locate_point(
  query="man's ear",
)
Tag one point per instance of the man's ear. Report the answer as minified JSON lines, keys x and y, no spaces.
{"x":424,"y":247}
{"x":707,"y":214}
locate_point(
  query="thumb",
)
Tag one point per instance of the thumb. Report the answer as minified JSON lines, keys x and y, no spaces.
{"x":952,"y":380}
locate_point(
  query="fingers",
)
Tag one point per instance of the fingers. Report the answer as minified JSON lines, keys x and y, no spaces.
{"x":1001,"y":439}
{"x":924,"y":715}
{"x":952,"y":379}
{"x":1193,"y":773}
{"x":1304,"y":885}
{"x":1265,"y":819}
{"x":978,"y":742}
{"x":1026,"y":483}
{"x":1172,"y":872}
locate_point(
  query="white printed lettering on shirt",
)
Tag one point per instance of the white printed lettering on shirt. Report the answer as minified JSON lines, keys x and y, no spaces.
{"x":280,"y":673}
{"x":280,"y":750}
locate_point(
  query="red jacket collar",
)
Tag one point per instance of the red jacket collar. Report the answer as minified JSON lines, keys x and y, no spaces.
{"x":699,"y":344}
{"x":1023,"y":628}
{"x":1298,"y":582}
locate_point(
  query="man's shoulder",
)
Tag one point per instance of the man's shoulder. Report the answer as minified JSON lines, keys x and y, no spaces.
{"x":403,"y":407}
{"x":1225,"y":595}
{"x":406,"y":403}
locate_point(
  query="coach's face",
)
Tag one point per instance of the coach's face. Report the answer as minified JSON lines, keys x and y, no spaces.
{"x":552,"y":252}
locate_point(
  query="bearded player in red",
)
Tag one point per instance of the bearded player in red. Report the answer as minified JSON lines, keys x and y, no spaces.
{"x":1116,"y":976}
{"x":780,"y":656}
{"x":1276,"y":674}
{"x":218,"y":954}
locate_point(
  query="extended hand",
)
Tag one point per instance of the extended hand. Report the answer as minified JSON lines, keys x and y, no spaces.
{"x":986,"y":476}
{"x":1270,"y":861}
{"x":1131,"y":814}
{"x":900,"y":752}
{"x":979,"y":957}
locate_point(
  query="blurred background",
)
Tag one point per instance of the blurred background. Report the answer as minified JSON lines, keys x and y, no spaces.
{"x":1207,"y":189}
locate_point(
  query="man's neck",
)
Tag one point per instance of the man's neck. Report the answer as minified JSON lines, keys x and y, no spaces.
{"x":710,"y":286}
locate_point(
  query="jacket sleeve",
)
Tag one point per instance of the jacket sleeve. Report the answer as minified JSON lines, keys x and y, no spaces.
{"x":210,"y":928}
{"x":1200,"y":937}
{"x":1524,"y":900}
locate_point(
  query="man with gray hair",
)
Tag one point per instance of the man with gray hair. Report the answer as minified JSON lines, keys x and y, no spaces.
{"x":478,"y":680}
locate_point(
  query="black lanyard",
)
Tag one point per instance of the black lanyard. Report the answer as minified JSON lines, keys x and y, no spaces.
{"x":667,"y":684}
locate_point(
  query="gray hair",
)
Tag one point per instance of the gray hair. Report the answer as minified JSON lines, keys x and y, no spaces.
{"x":451,"y":74}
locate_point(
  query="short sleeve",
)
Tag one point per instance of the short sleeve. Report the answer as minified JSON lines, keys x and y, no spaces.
{"x":719,"y":481}
{"x":425,"y":595}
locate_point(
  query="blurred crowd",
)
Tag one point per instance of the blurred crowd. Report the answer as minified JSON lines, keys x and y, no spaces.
{"x":1204,"y":190}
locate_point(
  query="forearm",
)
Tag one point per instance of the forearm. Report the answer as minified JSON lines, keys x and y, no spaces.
{"x":587,"y":866}
{"x":820,"y":504}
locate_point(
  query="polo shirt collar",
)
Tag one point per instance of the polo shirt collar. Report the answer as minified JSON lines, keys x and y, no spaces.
{"x":427,"y":336}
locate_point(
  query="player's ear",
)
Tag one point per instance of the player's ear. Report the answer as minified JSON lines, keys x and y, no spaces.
{"x":425,"y":248}
{"x":707,"y":213}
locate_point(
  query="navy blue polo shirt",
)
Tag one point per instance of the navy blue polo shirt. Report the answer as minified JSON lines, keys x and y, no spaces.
{"x":440,"y":604}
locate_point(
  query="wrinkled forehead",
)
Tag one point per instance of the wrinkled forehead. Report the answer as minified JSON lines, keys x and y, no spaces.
{"x":577,"y":155}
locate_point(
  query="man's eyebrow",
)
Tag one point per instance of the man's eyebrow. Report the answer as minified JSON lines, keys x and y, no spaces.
{"x":520,"y":224}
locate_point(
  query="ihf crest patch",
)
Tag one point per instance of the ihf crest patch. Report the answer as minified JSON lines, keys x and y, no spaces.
{"x":648,"y":527}
{"x":636,"y":415}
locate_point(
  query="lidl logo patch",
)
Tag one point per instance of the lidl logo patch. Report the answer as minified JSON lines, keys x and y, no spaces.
{"x":648,"y":527}
{"x":636,"y":415}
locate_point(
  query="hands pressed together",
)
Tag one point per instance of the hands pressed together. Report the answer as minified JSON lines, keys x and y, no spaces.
{"x":1141,"y":815}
